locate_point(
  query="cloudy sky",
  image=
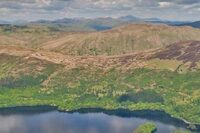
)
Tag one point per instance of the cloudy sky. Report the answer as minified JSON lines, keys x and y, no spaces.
{"x":55,"y":9}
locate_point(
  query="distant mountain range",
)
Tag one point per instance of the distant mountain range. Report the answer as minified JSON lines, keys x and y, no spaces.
{"x":98,"y":24}
{"x":82,"y":24}
{"x":192,"y":24}
{"x":4,"y":22}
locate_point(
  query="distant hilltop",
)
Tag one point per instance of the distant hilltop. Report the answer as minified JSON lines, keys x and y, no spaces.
{"x":98,"y":24}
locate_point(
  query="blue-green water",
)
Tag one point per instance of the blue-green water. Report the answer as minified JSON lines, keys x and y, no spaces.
{"x":41,"y":120}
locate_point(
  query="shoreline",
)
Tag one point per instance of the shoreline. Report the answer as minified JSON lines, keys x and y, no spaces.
{"x":183,"y":121}
{"x":146,"y":113}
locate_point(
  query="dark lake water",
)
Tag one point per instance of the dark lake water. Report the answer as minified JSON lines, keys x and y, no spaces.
{"x":47,"y":120}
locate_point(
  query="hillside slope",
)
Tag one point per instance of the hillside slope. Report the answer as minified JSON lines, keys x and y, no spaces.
{"x":121,"y":40}
{"x":28,"y":36}
{"x":188,"y":51}
{"x":146,"y":80}
{"x":180,"y":53}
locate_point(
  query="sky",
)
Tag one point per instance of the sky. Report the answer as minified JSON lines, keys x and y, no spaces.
{"x":31,"y":10}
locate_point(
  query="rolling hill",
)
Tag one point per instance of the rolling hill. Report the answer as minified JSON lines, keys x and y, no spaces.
{"x":184,"y":53}
{"x":27,"y":35}
{"x":121,"y":40}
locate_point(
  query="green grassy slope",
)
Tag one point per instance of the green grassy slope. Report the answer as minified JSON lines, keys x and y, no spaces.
{"x":177,"y":94}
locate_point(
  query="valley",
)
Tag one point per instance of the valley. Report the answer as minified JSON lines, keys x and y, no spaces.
{"x":163,"y":77}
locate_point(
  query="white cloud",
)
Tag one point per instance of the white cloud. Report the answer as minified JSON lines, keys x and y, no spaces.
{"x":43,"y":2}
{"x":55,"y":9}
{"x":165,"y":4}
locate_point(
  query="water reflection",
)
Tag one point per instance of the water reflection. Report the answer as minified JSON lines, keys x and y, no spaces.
{"x":58,"y":122}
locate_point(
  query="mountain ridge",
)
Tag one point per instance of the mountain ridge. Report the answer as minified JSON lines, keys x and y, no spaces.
{"x":121,"y":40}
{"x":95,"y":24}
